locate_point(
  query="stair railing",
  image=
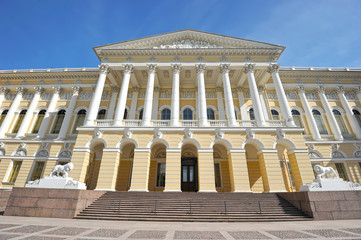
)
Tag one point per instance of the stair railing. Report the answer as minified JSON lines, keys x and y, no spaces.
{"x":119,"y":205}
{"x":259,"y":206}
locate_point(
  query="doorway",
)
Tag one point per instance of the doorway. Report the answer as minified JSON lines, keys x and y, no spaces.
{"x":189,"y":175}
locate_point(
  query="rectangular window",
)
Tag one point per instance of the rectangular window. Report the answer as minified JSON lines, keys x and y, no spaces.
{"x":38,"y":170}
{"x":161,"y":175}
{"x":340,"y":167}
{"x":217,"y":174}
{"x":14,"y":171}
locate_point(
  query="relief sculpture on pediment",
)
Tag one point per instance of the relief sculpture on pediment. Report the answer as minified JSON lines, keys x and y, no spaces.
{"x":187,"y":43}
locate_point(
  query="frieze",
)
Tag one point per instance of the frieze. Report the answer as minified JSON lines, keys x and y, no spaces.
{"x":292,"y":95}
{"x":272,"y":95}
{"x":210,"y":94}
{"x":129,"y":94}
{"x":28,"y":96}
{"x":66,"y":96}
{"x":142,"y":93}
{"x":10,"y":96}
{"x":85,"y":96}
{"x":234,"y":93}
{"x":350,"y":96}
{"x":165,"y":93}
{"x":247,"y":94}
{"x":331,"y":96}
{"x":311,"y":95}
{"x":187,"y":94}
{"x":357,"y":154}
{"x":187,"y":43}
{"x":105,"y":96}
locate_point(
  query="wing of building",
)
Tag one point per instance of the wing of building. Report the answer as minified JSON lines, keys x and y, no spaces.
{"x":181,"y":111}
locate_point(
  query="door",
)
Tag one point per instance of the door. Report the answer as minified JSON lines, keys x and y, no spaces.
{"x":189,"y":176}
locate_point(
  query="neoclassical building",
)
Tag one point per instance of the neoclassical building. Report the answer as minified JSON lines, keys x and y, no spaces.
{"x":182,"y":111}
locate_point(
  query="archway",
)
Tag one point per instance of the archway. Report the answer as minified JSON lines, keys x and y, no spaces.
{"x":124,"y":175}
{"x":189,"y":168}
{"x":256,"y":182}
{"x":157,"y":168}
{"x":95,"y":158}
{"x":221,"y":168}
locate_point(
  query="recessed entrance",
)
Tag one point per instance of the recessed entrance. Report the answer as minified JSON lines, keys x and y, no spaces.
{"x":189,"y":175}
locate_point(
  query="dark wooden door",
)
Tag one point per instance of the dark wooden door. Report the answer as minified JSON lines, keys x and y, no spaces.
{"x":189,"y":175}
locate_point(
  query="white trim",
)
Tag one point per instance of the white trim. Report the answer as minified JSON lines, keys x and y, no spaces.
{"x":112,"y":150}
{"x":142,"y":150}
{"x":161,"y":108}
{"x":173,"y":150}
{"x":297,"y":151}
{"x":267,"y":151}
{"x":237,"y":151}
{"x":205,"y":150}
{"x":81,"y":150}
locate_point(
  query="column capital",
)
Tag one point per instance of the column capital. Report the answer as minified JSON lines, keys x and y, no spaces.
{"x":200,"y":68}
{"x":115,"y":89}
{"x":104,"y":68}
{"x":152,"y":68}
{"x":57,"y":90}
{"x":300,"y":89}
{"x":39,"y":90}
{"x":249,"y":67}
{"x":240,"y":89}
{"x":225,"y":68}
{"x":340,"y":90}
{"x":320,"y":89}
{"x":176,"y":68}
{"x":76,"y":89}
{"x":156,"y":89}
{"x":273,"y":68}
{"x":260,"y":89}
{"x":219,"y":89}
{"x":20,"y":90}
{"x":135,"y":89}
{"x":357,"y":90}
{"x":128,"y":68}
{"x":3,"y":90}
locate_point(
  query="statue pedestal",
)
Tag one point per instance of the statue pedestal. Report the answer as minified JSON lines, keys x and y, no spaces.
{"x":330,"y":184}
{"x":56,"y":182}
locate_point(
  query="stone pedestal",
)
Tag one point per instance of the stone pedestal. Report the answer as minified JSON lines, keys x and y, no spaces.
{"x":56,"y":182}
{"x":330,"y":184}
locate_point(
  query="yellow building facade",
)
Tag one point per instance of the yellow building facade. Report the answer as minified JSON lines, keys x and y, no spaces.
{"x":182,"y":111}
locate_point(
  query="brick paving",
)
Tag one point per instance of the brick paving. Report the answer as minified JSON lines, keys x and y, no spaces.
{"x":70,"y":229}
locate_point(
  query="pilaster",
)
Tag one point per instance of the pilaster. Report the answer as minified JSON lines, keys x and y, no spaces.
{"x":271,"y":172}
{"x":173,"y":171}
{"x":238,"y":171}
{"x":140,"y":173}
{"x":107,"y":177}
{"x":206,"y":180}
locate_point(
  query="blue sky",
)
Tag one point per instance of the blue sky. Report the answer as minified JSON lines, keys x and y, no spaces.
{"x":57,"y":34}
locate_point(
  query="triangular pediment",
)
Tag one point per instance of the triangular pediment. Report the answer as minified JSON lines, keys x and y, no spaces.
{"x":188,"y":39}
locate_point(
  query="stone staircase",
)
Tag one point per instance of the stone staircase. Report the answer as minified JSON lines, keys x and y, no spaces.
{"x":192,"y":206}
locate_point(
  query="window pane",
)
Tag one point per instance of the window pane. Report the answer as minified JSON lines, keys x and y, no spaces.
{"x":19,"y":121}
{"x":191,"y":173}
{"x":161,"y":175}
{"x":80,"y":118}
{"x":165,"y":114}
{"x":3,"y":115}
{"x":341,"y":124}
{"x":38,"y":169}
{"x":125,"y":114}
{"x":251,"y":114}
{"x":297,"y":120}
{"x":187,"y":114}
{"x":319,"y":122}
{"x":141,"y":114}
{"x":210,"y":114}
{"x":217,"y":174}
{"x":185,"y":176}
{"x":357,"y":115}
{"x":340,"y":167}
{"x":101,"y":114}
{"x":15,"y":171}
{"x":275,"y":115}
{"x":58,"y":122}
{"x":291,"y":175}
{"x":39,"y":121}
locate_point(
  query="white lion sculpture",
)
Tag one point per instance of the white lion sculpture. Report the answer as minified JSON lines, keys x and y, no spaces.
{"x":322,"y":171}
{"x":61,"y":170}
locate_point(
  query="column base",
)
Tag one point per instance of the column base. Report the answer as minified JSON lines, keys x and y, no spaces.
{"x":207,"y":191}
{"x":137,"y":190}
{"x":108,"y":190}
{"x":172,"y":191}
{"x":242,"y":192}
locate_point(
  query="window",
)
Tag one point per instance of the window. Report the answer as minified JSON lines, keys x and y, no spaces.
{"x":340,"y":167}
{"x":14,"y":171}
{"x":275,"y":115}
{"x":141,"y":114}
{"x":161,"y":175}
{"x":38,"y":170}
{"x":187,"y":114}
{"x":101,"y":114}
{"x":319,"y":122}
{"x":58,"y":122}
{"x":217,"y":174}
{"x":291,"y":174}
{"x":339,"y":121}
{"x":297,"y":118}
{"x":39,"y":120}
{"x":125,"y":114}
{"x":357,"y":115}
{"x":79,"y":121}
{"x":19,"y":121}
{"x":165,"y":114}
{"x":210,"y":114}
{"x":235,"y":114}
{"x":251,"y":114}
{"x":3,"y":115}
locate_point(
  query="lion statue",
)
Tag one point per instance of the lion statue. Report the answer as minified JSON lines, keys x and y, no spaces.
{"x":322,"y":171}
{"x":61,"y":170}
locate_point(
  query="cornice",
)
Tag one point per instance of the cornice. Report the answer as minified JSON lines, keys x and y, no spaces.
{"x":65,"y":73}
{"x":313,"y":72}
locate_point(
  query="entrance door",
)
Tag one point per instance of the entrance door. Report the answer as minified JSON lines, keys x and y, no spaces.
{"x":189,"y":176}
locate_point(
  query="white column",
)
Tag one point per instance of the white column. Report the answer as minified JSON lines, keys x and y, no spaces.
{"x":197,"y":103}
{"x":10,"y":115}
{"x":175,"y":96}
{"x":281,"y":95}
{"x":351,"y":118}
{"x":3,"y":92}
{"x":113,"y":100}
{"x":310,"y":119}
{"x":262,"y":98}
{"x":148,"y":101}
{"x":29,"y":113}
{"x":228,"y":95}
{"x":133,"y":105}
{"x":358,"y":93}
{"x":203,"y":121}
{"x":242,"y":103}
{"x":155,"y":103}
{"x":97,"y":96}
{"x":46,"y":121}
{"x":256,"y":102}
{"x":68,"y":114}
{"x":122,"y":100}
{"x":330,"y":117}
{"x":220,"y":104}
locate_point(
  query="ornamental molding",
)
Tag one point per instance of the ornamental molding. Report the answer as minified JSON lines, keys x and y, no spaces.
{"x":291,"y":95}
{"x":187,"y":94}
{"x":210,"y":94}
{"x":311,"y":95}
{"x":331,"y":96}
{"x":351,"y":96}
{"x":187,"y":43}
{"x":273,"y":68}
{"x":272,"y":95}
{"x":318,"y":75}
{"x":165,"y":93}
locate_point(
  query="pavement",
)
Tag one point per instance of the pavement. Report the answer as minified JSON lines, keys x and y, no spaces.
{"x":54,"y":228}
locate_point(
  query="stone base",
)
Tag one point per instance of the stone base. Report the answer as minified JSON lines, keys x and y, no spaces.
{"x":56,"y":182}
{"x":329,"y":184}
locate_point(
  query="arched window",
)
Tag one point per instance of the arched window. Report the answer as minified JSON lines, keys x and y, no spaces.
{"x":275,"y":115}
{"x":19,"y":121}
{"x":101,"y":114}
{"x":58,"y":121}
{"x":141,"y":114}
{"x":297,"y":118}
{"x":357,"y":114}
{"x":125,"y":114}
{"x":39,"y":120}
{"x":187,"y":114}
{"x":79,"y":121}
{"x":251,"y":114}
{"x":165,"y":114}
{"x":210,"y":114}
{"x":319,"y":122}
{"x":235,"y":114}
{"x":3,"y":115}
{"x":339,"y":121}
